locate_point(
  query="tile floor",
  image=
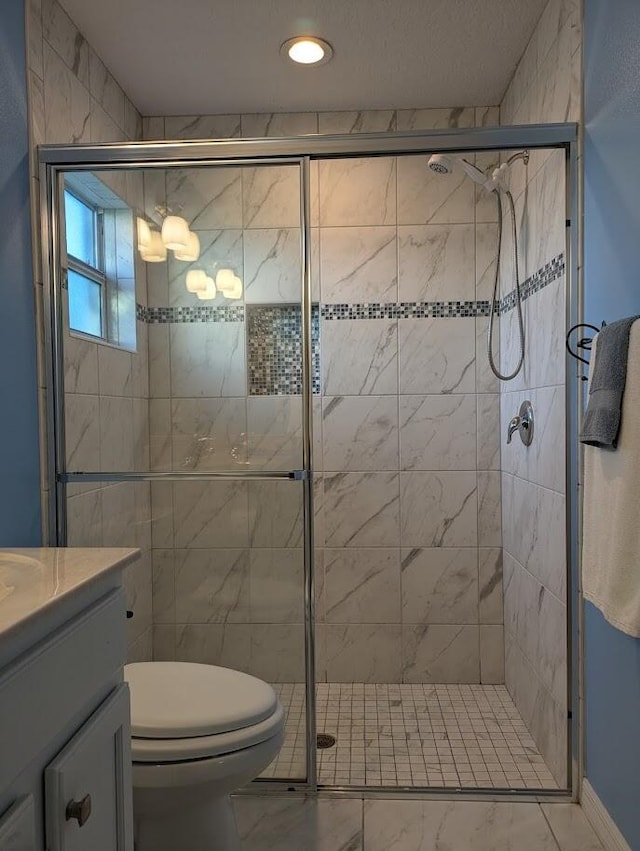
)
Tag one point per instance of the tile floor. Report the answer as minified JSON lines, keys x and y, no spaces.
{"x":325,"y":824}
{"x":413,"y":735}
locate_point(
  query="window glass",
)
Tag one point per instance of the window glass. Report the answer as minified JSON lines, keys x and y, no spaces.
{"x":85,"y":304}
{"x":80,"y":221}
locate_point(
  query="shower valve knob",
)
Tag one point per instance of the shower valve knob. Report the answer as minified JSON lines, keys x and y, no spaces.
{"x":522,"y":423}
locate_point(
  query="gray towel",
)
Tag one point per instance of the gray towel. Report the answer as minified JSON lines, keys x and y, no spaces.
{"x":602,"y":418}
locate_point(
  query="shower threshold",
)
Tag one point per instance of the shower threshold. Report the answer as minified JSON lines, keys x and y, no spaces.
{"x":469,"y":736}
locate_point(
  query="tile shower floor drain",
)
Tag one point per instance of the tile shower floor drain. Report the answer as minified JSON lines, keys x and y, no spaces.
{"x":324,"y":741}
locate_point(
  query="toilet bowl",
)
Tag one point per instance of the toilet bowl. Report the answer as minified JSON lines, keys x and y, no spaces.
{"x":198,"y":732}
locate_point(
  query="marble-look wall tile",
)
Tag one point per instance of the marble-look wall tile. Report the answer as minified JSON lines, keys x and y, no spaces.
{"x":438,"y":509}
{"x":114,"y":371}
{"x":141,"y":435}
{"x":272,"y":258}
{"x":359,"y":357}
{"x":486,"y":381}
{"x":436,"y":262}
{"x":84,"y":519}
{"x":137,"y":584}
{"x":271,"y":196}
{"x":212,"y":586}
{"x":486,"y":247}
{"x":210,"y":514}
{"x":277,"y":652}
{"x":162,"y":515}
{"x":489,"y":509}
{"x":164,"y":643}
{"x":488,"y":431}
{"x":545,"y":718}
{"x":438,"y":432}
{"x":534,"y":531}
{"x":208,"y":359}
{"x":352,"y":121}
{"x":435,"y":118}
{"x":357,"y":192}
{"x":105,"y":89}
{"x":153,"y":127}
{"x":160,"y":433}
{"x":274,"y":432}
{"x":537,"y":621}
{"x":360,"y":433}
{"x":116,"y":434}
{"x":163,"y":588}
{"x":201,"y":127}
{"x":491,"y":654}
{"x":208,"y":198}
{"x":63,"y":36}
{"x":361,"y":509}
{"x":436,"y":355}
{"x":425,"y":197}
{"x":275,"y":514}
{"x":276,"y":585}
{"x":82,"y":432}
{"x":490,"y":602}
{"x":546,"y":334}
{"x":362,"y":586}
{"x":439,"y":585}
{"x":358,"y":264}
{"x":365,"y":653}
{"x":80,"y":365}
{"x":67,"y":102}
{"x":537,"y":463}
{"x":34,"y":36}
{"x":441,"y":654}
{"x":257,"y":125}
{"x":228,"y":645}
{"x":102,"y":128}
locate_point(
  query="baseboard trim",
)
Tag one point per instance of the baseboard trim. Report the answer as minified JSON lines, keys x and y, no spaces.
{"x":606,"y":829}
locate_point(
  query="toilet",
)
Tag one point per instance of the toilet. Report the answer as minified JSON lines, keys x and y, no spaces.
{"x":198,"y":732}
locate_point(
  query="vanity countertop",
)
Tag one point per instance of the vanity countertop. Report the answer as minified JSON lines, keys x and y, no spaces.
{"x":34,"y":581}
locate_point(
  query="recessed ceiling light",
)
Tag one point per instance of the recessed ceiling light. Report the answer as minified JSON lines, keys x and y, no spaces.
{"x":307,"y":50}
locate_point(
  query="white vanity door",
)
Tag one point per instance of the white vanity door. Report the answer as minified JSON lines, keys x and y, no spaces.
{"x":88,"y":789}
{"x":17,"y":826}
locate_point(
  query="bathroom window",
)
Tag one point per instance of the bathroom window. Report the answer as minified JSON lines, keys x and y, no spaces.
{"x":86,"y":280}
{"x":100,"y":270}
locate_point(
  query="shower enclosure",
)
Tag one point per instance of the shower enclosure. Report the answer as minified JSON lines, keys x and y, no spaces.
{"x":314,"y":467}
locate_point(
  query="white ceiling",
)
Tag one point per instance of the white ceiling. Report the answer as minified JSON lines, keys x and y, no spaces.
{"x":214,"y":56}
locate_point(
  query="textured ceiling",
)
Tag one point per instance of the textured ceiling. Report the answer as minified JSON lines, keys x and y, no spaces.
{"x":207,"y":56}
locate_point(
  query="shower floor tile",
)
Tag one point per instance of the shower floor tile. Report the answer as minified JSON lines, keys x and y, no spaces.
{"x":412,"y":735}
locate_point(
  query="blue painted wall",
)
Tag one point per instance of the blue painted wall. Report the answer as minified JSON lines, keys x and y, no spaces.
{"x":612,"y":290}
{"x":19,"y":456}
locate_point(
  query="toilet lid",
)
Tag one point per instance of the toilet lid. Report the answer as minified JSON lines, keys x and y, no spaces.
{"x":175,"y":700}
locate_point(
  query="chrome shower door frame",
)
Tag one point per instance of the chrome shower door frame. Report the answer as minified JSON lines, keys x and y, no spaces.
{"x":55,"y":159}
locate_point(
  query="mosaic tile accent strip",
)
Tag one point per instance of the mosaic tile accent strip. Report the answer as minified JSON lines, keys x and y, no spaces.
{"x":407,"y":310}
{"x":197,"y":313}
{"x":550,"y":272}
{"x":468,"y":736}
{"x":274,"y":350}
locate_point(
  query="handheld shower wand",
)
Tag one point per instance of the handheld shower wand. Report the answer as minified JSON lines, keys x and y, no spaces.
{"x":444,"y":164}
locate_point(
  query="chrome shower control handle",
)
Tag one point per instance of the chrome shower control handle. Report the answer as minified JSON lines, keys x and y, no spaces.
{"x":514,"y":425}
{"x":522,"y":423}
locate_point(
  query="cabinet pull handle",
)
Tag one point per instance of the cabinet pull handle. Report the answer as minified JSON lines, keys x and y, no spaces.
{"x":79,"y":810}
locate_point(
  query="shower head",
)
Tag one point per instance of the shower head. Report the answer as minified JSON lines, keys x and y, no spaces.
{"x":444,"y":164}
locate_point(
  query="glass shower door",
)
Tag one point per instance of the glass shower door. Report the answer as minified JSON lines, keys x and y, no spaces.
{"x":182,"y":400}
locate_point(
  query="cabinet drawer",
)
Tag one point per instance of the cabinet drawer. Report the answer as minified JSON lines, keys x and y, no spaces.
{"x":18,"y":826}
{"x":88,"y":789}
{"x":49,"y":686}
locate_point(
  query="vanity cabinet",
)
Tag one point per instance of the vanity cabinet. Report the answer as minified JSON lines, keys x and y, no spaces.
{"x":65,"y":740}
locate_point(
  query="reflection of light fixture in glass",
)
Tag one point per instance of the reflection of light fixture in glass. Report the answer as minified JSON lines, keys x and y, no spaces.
{"x":235,"y":291}
{"x":175,"y":233}
{"x":225,"y":279}
{"x":144,"y":234}
{"x":209,"y":291}
{"x":192,"y":251}
{"x":196,"y":280}
{"x":307,"y":50}
{"x":155,"y":251}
